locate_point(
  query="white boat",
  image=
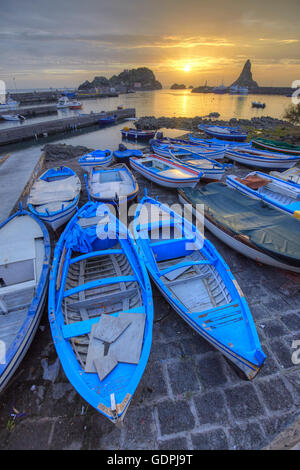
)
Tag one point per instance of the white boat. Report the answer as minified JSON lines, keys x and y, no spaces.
{"x":63,"y":102}
{"x":260,"y":158}
{"x":274,"y":191}
{"x":11,"y":117}
{"x":55,"y":195}
{"x":292,"y":175}
{"x":24,"y":267}
{"x":96,"y":158}
{"x":10,"y":104}
{"x":165,"y":172}
{"x":210,"y":169}
{"x":112,"y":185}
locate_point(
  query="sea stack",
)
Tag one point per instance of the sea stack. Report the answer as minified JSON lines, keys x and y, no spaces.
{"x":245,"y":79}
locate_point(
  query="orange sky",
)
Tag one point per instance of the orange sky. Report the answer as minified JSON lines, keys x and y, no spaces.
{"x":65,"y":43}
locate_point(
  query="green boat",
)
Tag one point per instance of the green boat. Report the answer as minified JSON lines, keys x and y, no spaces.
{"x":276,"y":146}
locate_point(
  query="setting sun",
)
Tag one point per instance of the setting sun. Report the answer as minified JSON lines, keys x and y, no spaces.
{"x":187,"y":68}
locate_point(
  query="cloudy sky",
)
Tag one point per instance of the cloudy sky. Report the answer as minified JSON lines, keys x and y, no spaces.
{"x":64,"y":42}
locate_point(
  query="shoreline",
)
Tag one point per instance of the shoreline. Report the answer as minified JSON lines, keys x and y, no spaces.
{"x":273,"y":128}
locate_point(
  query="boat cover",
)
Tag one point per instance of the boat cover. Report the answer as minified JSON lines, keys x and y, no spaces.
{"x":44,"y":192}
{"x":269,"y":229}
{"x":254,"y":181}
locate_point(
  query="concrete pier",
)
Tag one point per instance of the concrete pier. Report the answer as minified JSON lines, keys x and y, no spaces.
{"x":17,"y":173}
{"x":33,"y":111}
{"x":47,"y":128}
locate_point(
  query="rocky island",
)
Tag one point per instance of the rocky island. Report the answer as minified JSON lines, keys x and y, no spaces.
{"x":246,"y":80}
{"x":176,"y":86}
{"x":128,"y":80}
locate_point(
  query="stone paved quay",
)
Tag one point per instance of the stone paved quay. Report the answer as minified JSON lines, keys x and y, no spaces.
{"x":189,"y":396}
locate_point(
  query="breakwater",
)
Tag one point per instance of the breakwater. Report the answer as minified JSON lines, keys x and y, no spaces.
{"x":33,"y":111}
{"x":48,"y":128}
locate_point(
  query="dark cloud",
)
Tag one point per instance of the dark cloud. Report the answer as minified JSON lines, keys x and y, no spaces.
{"x":74,"y":40}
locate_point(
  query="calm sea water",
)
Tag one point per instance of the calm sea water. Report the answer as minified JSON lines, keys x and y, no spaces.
{"x":180,"y":103}
{"x":154,"y":103}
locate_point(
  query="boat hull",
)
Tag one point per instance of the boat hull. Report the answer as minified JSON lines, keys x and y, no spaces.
{"x":260,"y":162}
{"x":238,"y":245}
{"x":164,"y":181}
{"x":28,"y":330}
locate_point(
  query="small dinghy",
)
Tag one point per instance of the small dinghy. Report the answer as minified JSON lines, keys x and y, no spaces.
{"x":196,"y":281}
{"x":292,"y":175}
{"x":107,"y":120}
{"x":274,"y":191}
{"x":135,"y":134}
{"x":112,"y":185}
{"x":258,"y":231}
{"x":276,"y":146}
{"x":100,"y":309}
{"x":216,"y":143}
{"x":24,"y":267}
{"x":210,"y":169}
{"x":259,"y":158}
{"x":163,"y":149}
{"x":55,"y":195}
{"x":165,"y":172}
{"x":123,"y":154}
{"x":11,"y":117}
{"x":97,"y":157}
{"x":224,"y":132}
{"x":75,"y":105}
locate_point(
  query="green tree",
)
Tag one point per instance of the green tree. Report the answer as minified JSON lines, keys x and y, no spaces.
{"x":292,"y":113}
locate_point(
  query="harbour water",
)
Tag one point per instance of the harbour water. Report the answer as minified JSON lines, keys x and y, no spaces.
{"x":178,"y":103}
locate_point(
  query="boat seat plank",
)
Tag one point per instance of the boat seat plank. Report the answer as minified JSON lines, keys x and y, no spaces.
{"x":101,"y":299}
{"x":84,"y":327}
{"x":99,"y":283}
{"x":93,"y":254}
{"x":184,"y":264}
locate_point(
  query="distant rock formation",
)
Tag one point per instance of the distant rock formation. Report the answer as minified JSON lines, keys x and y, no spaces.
{"x":141,"y":78}
{"x":245,"y":79}
{"x":176,"y":86}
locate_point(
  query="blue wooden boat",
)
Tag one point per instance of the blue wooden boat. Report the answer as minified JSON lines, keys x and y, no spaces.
{"x":162,"y":148}
{"x":107,"y":120}
{"x":257,"y":158}
{"x":25,"y":253}
{"x":166,"y":172}
{"x":216,"y":143}
{"x":135,"y":134}
{"x":97,"y":157}
{"x":54,"y":196}
{"x":211,"y":169}
{"x":274,"y":191}
{"x":100,"y":297}
{"x":197,"y":283}
{"x":113,"y":185}
{"x":123,"y":154}
{"x":224,"y":132}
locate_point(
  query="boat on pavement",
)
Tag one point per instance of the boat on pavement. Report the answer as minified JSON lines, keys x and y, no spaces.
{"x":54,"y":196}
{"x":260,"y":158}
{"x":198,"y":284}
{"x":100,"y":310}
{"x":97,"y":157}
{"x":165,"y":172}
{"x":25,"y":253}
{"x":257,"y":231}
{"x":224,"y":132}
{"x":276,"y":146}
{"x":114,"y":185}
{"x":269,"y":189}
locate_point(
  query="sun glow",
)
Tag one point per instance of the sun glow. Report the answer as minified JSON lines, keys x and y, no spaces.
{"x":187,"y":68}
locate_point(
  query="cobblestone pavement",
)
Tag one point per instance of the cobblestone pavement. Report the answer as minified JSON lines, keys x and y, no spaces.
{"x":189,"y":396}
